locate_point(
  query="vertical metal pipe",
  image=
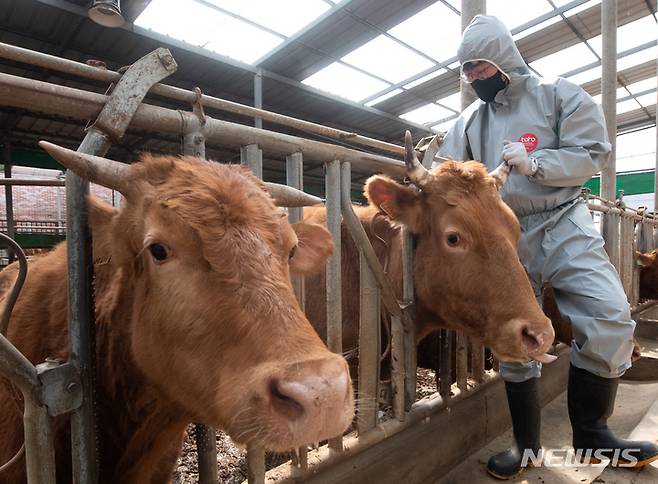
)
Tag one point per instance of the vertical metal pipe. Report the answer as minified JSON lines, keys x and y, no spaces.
{"x":206,"y":447}
{"x":258,"y":96}
{"x":334,"y":296}
{"x":477,"y":360}
{"x":399,"y":368}
{"x":470,"y":8}
{"x":82,"y":333}
{"x":206,"y":437}
{"x":9,"y":197}
{"x":409,"y":343}
{"x":255,"y":465}
{"x":445,"y":370}
{"x":295,"y":178}
{"x":369,"y":327}
{"x":609,"y":103}
{"x":39,"y":442}
{"x":627,"y":256}
{"x":252,"y":157}
{"x":369,"y":337}
{"x":612,"y":220}
{"x":462,"y":360}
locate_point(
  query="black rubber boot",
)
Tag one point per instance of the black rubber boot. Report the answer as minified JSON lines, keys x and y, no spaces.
{"x":523,"y":400}
{"x":591,"y":401}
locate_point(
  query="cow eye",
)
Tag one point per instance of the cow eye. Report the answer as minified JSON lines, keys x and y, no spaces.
{"x":159,"y":252}
{"x":292,"y":252}
{"x":453,"y":239}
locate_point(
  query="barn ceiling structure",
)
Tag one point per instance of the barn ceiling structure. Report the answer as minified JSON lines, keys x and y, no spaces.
{"x":374,"y":67}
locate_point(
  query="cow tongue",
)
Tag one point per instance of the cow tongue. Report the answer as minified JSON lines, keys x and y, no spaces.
{"x":545,"y":358}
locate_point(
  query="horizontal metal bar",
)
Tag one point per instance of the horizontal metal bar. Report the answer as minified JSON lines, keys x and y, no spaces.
{"x":32,"y":182}
{"x":39,"y":59}
{"x":16,"y":367}
{"x":42,"y":96}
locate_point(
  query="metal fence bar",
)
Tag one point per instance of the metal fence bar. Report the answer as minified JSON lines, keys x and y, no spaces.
{"x":114,"y":118}
{"x":626,"y":254}
{"x":408,"y":349}
{"x":445,"y":362}
{"x":334,"y":287}
{"x":369,"y":326}
{"x":295,"y":179}
{"x":611,"y":235}
{"x":477,"y":361}
{"x":47,"y":61}
{"x":78,"y":104}
{"x":206,"y":437}
{"x":9,"y":198}
{"x":369,"y":337}
{"x":255,"y":465}
{"x":252,"y":157}
{"x":462,"y":360}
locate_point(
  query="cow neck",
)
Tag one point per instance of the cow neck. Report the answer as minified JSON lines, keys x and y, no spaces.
{"x":143,"y":428}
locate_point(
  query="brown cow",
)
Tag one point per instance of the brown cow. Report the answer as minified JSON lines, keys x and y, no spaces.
{"x":467,"y":273}
{"x":648,"y":274}
{"x":196,"y":320}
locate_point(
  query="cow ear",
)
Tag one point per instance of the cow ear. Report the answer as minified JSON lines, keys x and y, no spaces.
{"x":645,"y":260}
{"x":401,"y":203}
{"x":314,"y":246}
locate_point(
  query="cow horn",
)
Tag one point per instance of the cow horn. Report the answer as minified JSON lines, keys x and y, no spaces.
{"x":416,"y":172}
{"x":285,"y":196}
{"x":431,"y":151}
{"x":500,"y":174}
{"x":110,"y":174}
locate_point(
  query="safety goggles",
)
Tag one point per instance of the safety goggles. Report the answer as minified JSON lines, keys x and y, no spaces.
{"x":477,"y":70}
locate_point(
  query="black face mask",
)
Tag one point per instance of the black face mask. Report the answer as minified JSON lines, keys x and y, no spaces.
{"x":487,"y":89}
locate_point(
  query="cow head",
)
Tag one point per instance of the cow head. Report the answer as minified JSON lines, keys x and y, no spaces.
{"x":466,"y":268}
{"x":205,"y":256}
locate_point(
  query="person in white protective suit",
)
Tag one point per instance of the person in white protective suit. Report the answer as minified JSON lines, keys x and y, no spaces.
{"x":553,"y":135}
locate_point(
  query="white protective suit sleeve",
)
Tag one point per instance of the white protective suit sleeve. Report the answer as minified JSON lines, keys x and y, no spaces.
{"x":583,"y":141}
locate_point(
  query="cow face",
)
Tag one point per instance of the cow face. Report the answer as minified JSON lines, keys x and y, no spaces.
{"x":466,"y":268}
{"x":205,"y":258}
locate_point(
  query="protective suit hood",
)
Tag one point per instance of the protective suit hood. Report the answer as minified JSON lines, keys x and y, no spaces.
{"x":487,"y":38}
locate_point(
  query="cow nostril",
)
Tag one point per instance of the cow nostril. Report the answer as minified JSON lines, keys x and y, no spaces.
{"x":283,"y":401}
{"x":530,"y":340}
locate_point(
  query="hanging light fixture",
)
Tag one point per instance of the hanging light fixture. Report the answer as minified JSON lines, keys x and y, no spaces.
{"x":106,"y":13}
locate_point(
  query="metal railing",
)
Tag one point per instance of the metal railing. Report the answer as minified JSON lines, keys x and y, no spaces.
{"x":466,"y":357}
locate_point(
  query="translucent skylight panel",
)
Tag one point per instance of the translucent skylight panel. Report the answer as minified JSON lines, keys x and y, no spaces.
{"x":345,"y":82}
{"x":630,"y":35}
{"x":520,"y":13}
{"x":541,"y":26}
{"x":586,"y":76}
{"x":636,"y":59}
{"x":453,"y":101}
{"x":579,"y":8}
{"x":425,"y":78}
{"x":384,"y":97}
{"x":386,"y":58}
{"x":202,"y":26}
{"x":435,"y":30}
{"x":647,"y":99}
{"x":563,"y":61}
{"x":181,"y":19}
{"x":445,"y":125}
{"x":427,"y":114}
{"x":643,"y":85}
{"x":636,"y":150}
{"x":626,"y":106}
{"x":277,"y":15}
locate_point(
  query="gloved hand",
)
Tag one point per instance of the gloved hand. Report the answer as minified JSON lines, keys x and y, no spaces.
{"x":515,"y":154}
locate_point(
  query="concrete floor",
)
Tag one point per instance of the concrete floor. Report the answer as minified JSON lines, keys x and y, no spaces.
{"x":633,"y":402}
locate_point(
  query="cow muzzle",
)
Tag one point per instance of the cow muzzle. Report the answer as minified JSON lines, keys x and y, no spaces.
{"x":521,"y":341}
